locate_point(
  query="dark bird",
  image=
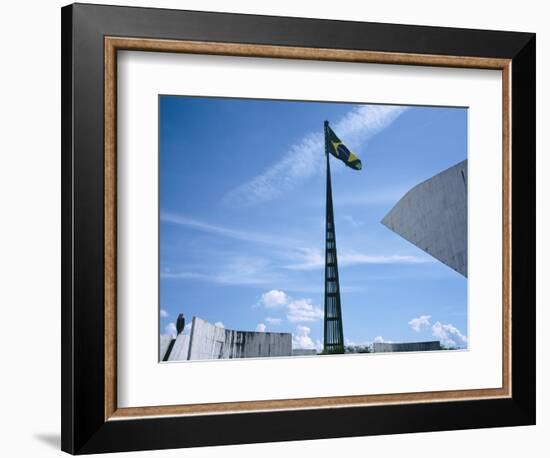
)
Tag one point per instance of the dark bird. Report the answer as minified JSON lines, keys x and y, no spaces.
{"x":180,"y":323}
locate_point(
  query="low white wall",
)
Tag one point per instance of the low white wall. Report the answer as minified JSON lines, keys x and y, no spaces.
{"x":180,"y":350}
{"x":207,"y":341}
{"x":165,"y":340}
{"x":382,"y":347}
{"x":211,"y":342}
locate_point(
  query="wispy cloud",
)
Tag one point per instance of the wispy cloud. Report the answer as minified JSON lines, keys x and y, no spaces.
{"x":314,"y":259}
{"x":254,"y":270}
{"x":243,"y":270}
{"x":302,"y":160}
{"x":353,"y":258}
{"x":202,"y":226}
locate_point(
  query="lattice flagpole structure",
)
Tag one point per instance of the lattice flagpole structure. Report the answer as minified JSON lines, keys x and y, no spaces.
{"x":333,"y":332}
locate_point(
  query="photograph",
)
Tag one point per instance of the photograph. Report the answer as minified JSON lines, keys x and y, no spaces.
{"x":282,"y":227}
{"x":299,"y":228}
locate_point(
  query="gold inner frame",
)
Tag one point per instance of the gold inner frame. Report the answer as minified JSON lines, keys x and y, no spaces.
{"x":114,"y":44}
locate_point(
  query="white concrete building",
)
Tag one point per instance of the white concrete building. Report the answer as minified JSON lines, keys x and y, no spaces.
{"x":434,"y":216}
{"x":207,"y":341}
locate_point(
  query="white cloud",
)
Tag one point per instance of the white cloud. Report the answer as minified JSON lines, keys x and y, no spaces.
{"x":297,"y":310}
{"x":170,"y":328}
{"x":274,"y":298}
{"x":417,"y":324}
{"x":273,"y":321}
{"x":302,"y":160}
{"x":163,"y":313}
{"x":378,"y":339}
{"x":449,"y":335}
{"x":219,"y":324}
{"x":301,"y":339}
{"x":303,"y":310}
{"x":260,"y":327}
{"x":313,"y":259}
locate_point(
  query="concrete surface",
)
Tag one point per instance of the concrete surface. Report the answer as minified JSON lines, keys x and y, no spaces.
{"x":207,"y":341}
{"x":180,"y":350}
{"x":434,"y":216}
{"x":165,"y":340}
{"x":385,"y":347}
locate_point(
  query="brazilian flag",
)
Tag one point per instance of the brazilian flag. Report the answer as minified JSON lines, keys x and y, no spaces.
{"x":339,"y":150}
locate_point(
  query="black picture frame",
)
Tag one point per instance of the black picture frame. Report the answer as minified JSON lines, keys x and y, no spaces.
{"x":84,"y":428}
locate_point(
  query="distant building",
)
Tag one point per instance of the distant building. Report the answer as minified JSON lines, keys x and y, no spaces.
{"x":434,"y":216}
{"x":303,"y":352}
{"x":385,"y":347}
{"x":207,"y":341}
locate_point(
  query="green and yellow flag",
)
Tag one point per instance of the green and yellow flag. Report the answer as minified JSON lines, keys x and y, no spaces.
{"x":340,"y":151}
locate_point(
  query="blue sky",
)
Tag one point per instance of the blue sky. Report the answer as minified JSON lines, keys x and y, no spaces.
{"x":242,"y":207}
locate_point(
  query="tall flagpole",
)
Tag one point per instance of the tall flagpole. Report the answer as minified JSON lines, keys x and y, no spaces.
{"x":333,"y":330}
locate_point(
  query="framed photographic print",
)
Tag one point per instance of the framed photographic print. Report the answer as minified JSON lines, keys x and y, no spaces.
{"x":281,"y":228}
